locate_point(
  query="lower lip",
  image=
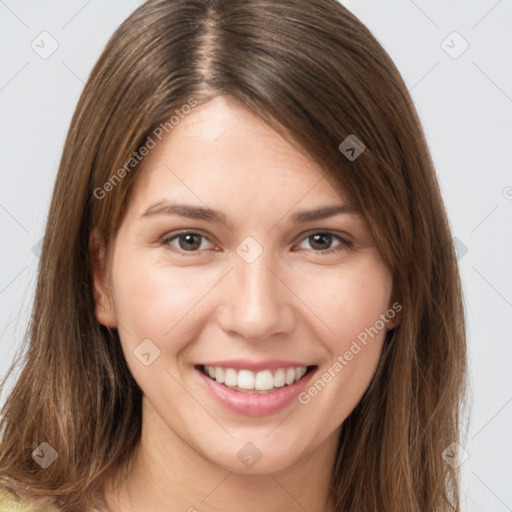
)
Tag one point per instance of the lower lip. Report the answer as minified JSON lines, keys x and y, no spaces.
{"x":252,"y":404}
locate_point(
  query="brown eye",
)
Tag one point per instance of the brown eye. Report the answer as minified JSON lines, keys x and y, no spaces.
{"x":186,"y":241}
{"x":323,"y":242}
{"x":189,"y":242}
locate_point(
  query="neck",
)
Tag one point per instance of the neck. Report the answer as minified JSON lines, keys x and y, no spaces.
{"x":166,"y":473}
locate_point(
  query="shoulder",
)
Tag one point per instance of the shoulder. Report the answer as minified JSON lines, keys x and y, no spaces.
{"x":9,"y":502}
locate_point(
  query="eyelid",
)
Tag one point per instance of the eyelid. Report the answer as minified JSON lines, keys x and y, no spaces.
{"x":166,"y":239}
{"x":343,"y":235}
{"x":344,"y":238}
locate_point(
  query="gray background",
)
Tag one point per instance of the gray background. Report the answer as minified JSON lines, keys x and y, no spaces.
{"x":465,"y":102}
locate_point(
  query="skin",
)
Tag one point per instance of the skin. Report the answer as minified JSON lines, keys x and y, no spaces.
{"x":296,"y":301}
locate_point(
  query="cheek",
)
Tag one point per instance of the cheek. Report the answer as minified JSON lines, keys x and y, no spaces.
{"x":351,"y":305}
{"x":153,"y":300}
{"x":349,"y":301}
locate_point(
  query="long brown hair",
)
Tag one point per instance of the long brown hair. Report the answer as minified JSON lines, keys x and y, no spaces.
{"x":316,"y":74}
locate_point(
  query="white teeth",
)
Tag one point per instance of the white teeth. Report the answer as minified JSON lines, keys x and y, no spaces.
{"x":279,"y":378}
{"x":245,"y":379}
{"x":290,"y":376}
{"x":262,"y":381}
{"x":219,"y":375}
{"x":230,"y":378}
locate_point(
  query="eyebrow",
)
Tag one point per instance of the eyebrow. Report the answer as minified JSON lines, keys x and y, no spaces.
{"x":208,"y":214}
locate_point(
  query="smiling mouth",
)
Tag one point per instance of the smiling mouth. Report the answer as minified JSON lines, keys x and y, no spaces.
{"x":261,"y":382}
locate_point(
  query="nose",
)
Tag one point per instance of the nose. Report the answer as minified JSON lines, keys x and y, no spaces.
{"x":258,"y":304}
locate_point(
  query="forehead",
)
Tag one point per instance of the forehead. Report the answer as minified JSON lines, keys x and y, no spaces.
{"x":224,"y":154}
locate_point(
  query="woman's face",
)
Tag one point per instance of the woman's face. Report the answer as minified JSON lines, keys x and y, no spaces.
{"x":226,"y":287}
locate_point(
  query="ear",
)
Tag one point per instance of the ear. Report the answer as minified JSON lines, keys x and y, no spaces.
{"x":104,"y":308}
{"x":394,"y":312}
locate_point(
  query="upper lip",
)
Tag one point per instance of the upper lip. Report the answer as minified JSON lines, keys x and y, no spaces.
{"x":255,"y":366}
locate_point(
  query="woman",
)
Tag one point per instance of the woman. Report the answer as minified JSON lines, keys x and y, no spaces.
{"x":248,"y":296}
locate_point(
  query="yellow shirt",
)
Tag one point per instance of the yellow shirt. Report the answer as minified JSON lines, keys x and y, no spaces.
{"x":10,"y":503}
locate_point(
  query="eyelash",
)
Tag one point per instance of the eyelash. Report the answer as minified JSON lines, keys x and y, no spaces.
{"x":344,"y":243}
